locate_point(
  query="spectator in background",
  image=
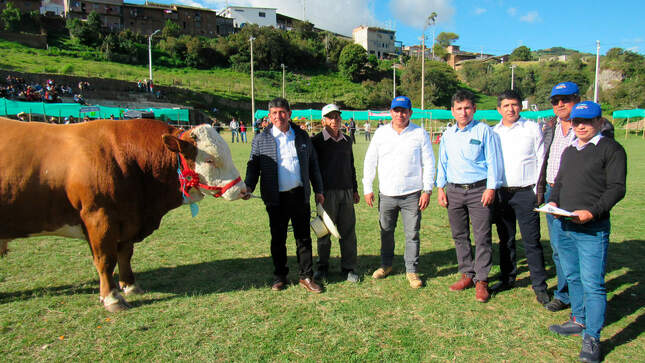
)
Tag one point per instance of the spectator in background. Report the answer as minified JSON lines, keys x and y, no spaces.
{"x":368,"y":129}
{"x":243,"y":132}
{"x":234,"y":126}
{"x":22,"y":116}
{"x":590,"y":181}
{"x":352,"y":129}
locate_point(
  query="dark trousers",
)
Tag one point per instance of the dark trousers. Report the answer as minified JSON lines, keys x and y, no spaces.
{"x":465,"y":205}
{"x":339,"y":205}
{"x":512,"y":206}
{"x":292,"y":208}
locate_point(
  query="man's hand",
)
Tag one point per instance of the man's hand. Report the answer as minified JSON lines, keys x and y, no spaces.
{"x":369,"y":199}
{"x":320,"y":198}
{"x":581,"y":216}
{"x":357,"y":198}
{"x":488,"y":197}
{"x":246,"y":194}
{"x":441,"y":198}
{"x":555,"y":205}
{"x":424,"y":200}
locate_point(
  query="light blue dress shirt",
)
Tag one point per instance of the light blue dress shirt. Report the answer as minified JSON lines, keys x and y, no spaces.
{"x":469,"y":155}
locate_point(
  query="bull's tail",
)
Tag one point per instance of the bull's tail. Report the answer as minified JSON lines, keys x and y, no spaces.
{"x":4,"y":247}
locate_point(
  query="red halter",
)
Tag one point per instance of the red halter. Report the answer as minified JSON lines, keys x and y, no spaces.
{"x":188,"y":178}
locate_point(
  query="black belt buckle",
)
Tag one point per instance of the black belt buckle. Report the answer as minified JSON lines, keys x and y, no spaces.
{"x":471,"y":185}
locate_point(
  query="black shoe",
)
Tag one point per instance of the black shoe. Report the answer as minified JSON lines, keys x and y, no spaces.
{"x":320,"y":275}
{"x":571,"y":327}
{"x":501,"y":286}
{"x":590,"y":351}
{"x":542,"y":296}
{"x":556,"y":305}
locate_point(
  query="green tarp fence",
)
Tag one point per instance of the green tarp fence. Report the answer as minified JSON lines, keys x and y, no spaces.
{"x":637,"y":112}
{"x":417,"y":114}
{"x":10,"y":107}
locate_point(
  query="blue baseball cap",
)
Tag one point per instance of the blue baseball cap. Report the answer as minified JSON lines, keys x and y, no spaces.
{"x":565,"y":89}
{"x":401,"y":101}
{"x":586,"y":110}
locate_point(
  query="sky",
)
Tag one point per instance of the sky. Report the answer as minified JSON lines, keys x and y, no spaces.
{"x":490,"y":26}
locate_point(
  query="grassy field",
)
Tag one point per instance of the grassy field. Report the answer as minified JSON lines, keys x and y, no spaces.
{"x":208,"y":297}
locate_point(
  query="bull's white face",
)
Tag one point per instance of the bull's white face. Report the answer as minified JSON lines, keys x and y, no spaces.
{"x":214,"y":163}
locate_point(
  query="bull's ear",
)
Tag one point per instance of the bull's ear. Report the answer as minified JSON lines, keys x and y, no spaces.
{"x":177,"y":145}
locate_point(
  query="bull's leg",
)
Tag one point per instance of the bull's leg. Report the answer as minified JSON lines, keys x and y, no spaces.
{"x":4,"y":247}
{"x":126,"y":276}
{"x":104,"y":249}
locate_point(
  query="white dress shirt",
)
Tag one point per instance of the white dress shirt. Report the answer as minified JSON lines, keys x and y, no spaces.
{"x":288,"y":165}
{"x":405,"y":161}
{"x":522,"y":151}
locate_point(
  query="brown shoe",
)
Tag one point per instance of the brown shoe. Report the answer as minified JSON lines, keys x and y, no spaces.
{"x":382,"y":272}
{"x":481,"y":291}
{"x":414,"y":280}
{"x":279,"y":284}
{"x":464,"y":283}
{"x":310,"y":285}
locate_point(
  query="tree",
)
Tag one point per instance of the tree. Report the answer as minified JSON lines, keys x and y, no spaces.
{"x":171,"y":29}
{"x":10,"y":17}
{"x":521,"y":53}
{"x":87,"y":32}
{"x":446,"y":38}
{"x":351,"y":62}
{"x":441,"y":82}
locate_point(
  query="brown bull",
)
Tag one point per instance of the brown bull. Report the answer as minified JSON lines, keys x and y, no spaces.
{"x":108,"y":182}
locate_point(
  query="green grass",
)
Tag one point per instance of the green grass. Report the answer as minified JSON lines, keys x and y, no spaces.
{"x":208,"y":297}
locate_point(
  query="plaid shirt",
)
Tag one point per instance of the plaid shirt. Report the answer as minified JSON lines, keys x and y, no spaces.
{"x":560,"y":142}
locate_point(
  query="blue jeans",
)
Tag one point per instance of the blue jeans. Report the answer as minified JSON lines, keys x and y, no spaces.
{"x":583,"y":254}
{"x":234,"y":136}
{"x":562,"y":291}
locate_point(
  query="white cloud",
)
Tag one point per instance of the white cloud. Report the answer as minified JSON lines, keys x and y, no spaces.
{"x":480,"y":11}
{"x":634,"y":49}
{"x":512,"y":11}
{"x":414,"y":13}
{"x":191,"y":3}
{"x":531,"y":17}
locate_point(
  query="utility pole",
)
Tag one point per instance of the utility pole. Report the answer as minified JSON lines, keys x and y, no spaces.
{"x":512,"y":76}
{"x":283,"y":93}
{"x":432,"y":19}
{"x":423,"y":69}
{"x":150,"y":56}
{"x":595,"y":90}
{"x":251,"y":39}
{"x":394,"y":80}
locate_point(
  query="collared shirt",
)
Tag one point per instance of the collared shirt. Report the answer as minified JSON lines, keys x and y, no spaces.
{"x":288,"y":165}
{"x":233,"y":125}
{"x":327,"y":135}
{"x":469,"y":155}
{"x":405,"y":161}
{"x":594,"y":140}
{"x":522,"y":151}
{"x":560,"y":142}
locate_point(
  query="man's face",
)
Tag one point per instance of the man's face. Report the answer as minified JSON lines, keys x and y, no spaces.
{"x":333,"y":121}
{"x":463,"y":112}
{"x":586,"y":129}
{"x":562,"y":105}
{"x":510,"y":110}
{"x":400,"y":117}
{"x":280,"y":117}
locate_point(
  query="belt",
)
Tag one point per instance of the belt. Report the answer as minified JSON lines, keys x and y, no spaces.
{"x":476,"y":184}
{"x":551,"y":184}
{"x":518,"y":189}
{"x":292,"y":191}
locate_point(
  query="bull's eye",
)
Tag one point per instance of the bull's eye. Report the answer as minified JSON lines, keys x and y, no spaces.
{"x":209,"y":161}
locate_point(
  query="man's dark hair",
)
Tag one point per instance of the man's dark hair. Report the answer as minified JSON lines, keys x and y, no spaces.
{"x":461,"y":96}
{"x":509,"y":95}
{"x":279,"y":102}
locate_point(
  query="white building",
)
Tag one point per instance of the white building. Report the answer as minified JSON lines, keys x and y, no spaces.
{"x":377,"y":41}
{"x":56,"y":7}
{"x":242,"y":15}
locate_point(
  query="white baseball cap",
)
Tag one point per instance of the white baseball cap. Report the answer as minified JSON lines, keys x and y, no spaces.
{"x":329,"y":108}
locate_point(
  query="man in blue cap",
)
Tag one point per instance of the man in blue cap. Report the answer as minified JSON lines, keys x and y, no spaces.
{"x":591,"y":180}
{"x":402,"y":153}
{"x":557,"y":135}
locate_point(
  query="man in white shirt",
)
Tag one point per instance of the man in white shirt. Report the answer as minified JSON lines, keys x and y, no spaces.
{"x":234,"y":125}
{"x":523,"y":154}
{"x":402,"y":153}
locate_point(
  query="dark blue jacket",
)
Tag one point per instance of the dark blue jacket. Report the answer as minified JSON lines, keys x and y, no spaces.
{"x":263,"y":165}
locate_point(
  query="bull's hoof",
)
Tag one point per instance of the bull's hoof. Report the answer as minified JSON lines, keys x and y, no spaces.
{"x":114,"y":302}
{"x":133,"y":289}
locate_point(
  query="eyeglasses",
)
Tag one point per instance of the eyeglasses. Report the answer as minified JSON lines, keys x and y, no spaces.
{"x":565,"y":99}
